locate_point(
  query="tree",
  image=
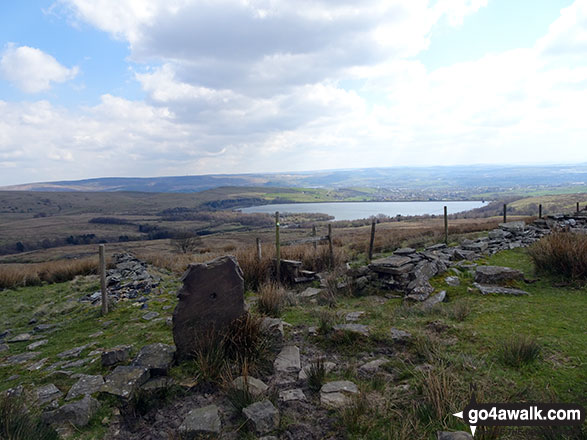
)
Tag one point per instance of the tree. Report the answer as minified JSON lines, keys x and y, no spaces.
{"x":186,"y":243}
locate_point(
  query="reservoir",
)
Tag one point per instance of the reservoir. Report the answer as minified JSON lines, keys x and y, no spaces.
{"x":359,"y":210}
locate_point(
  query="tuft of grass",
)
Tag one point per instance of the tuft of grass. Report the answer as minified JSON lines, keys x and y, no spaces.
{"x":355,"y":416}
{"x":316,"y":374}
{"x":458,"y":311}
{"x":17,"y":423}
{"x":272,"y":299}
{"x":562,"y":254}
{"x":519,"y":350}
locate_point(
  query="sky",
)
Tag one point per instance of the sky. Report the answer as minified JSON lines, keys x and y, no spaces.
{"x":96,"y":88}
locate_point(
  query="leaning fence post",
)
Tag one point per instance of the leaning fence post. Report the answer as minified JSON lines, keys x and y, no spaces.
{"x":330,"y":250}
{"x":103,"y":279}
{"x":445,"y":225}
{"x":505,"y":216}
{"x":277,"y":247}
{"x":259,"y":253}
{"x":540,"y":210}
{"x":314,"y":235}
{"x":372,"y":240}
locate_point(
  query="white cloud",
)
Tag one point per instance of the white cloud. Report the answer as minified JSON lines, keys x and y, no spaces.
{"x":32,"y":70}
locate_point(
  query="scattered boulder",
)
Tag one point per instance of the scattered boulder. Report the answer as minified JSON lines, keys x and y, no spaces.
{"x":116,"y":355}
{"x":23,"y":337}
{"x":310,"y":292}
{"x":452,"y":281}
{"x":288,"y":360}
{"x":77,"y":413}
{"x":151,"y":315}
{"x":372,"y":366}
{"x":496,"y":274}
{"x":255,"y":386}
{"x":211,"y":298}
{"x":125,"y":380}
{"x":295,"y":394}
{"x":203,"y":420}
{"x":22,"y":358}
{"x":37,"y":344}
{"x":263,"y":416}
{"x":433,"y":300}
{"x":353,"y":328}
{"x":86,"y":384}
{"x":485,"y":289}
{"x":74,"y":352}
{"x":46,"y":394}
{"x":335,"y":394}
{"x":158,"y":358}
{"x":456,"y":435}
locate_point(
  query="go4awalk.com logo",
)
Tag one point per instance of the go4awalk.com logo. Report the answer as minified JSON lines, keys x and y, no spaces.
{"x":521,"y":414}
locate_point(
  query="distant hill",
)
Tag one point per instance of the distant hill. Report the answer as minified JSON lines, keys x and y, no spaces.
{"x":425,"y":178}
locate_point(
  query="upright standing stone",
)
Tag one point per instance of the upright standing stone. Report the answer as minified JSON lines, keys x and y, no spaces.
{"x":212,"y":296}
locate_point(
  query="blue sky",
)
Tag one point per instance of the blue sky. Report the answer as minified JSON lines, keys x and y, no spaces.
{"x":92,"y":88}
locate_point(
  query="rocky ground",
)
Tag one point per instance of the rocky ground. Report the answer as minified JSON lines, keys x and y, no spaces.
{"x":135,"y":389}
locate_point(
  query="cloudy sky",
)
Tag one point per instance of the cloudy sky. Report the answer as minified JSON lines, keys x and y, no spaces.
{"x":93,"y":88}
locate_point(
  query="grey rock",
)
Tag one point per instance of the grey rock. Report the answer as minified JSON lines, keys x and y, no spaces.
{"x":354,"y":316}
{"x":158,"y":358}
{"x":43,"y":328}
{"x":400,"y":336}
{"x":496,"y":274}
{"x":151,"y":315}
{"x":116,"y":355}
{"x":86,"y":384}
{"x":336,"y":394}
{"x":340,"y":386}
{"x":452,"y":281}
{"x":3,"y":347}
{"x":47,"y":393}
{"x":274,"y":328}
{"x":295,"y":394}
{"x":37,"y":344}
{"x":456,"y":435}
{"x":211,"y":298}
{"x":204,"y":420}
{"x":433,"y":300}
{"x":498,"y":234}
{"x":310,"y":292}
{"x":513,"y":227}
{"x":486,"y":289}
{"x":77,"y":413}
{"x":78,"y":363}
{"x":74,"y":352}
{"x":372,"y":366}
{"x":404,"y":251}
{"x":425,"y":270}
{"x":23,"y":337}
{"x":288,"y":360}
{"x":255,"y":386}
{"x":353,"y":328}
{"x":476,"y":247}
{"x":328,"y":367}
{"x":37,"y":365}
{"x":125,"y":380}
{"x":263,"y":416}
{"x":436,"y":247}
{"x":22,"y":358}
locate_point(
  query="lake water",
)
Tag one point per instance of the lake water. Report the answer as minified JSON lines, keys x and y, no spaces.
{"x":359,"y":210}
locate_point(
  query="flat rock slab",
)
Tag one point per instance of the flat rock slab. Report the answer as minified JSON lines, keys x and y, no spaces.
{"x":125,"y":380}
{"x":404,"y":251}
{"x":513,"y":227}
{"x":496,"y":274}
{"x":373,"y":366}
{"x":211,"y":298}
{"x":23,"y":337}
{"x":354,"y":316}
{"x":310,"y":292}
{"x":22,"y":358}
{"x":203,"y":420}
{"x":151,"y":315}
{"x":74,"y":352}
{"x":288,"y":360}
{"x":86,"y":384}
{"x":292,"y":395}
{"x":353,"y":328}
{"x":486,"y":289}
{"x":400,"y":336}
{"x":37,"y":344}
{"x":115,"y":355}
{"x":452,"y":281}
{"x":158,"y":358}
{"x":394,"y":265}
{"x":255,"y":386}
{"x":336,"y":394}
{"x":47,"y":393}
{"x":77,"y":413}
{"x":263,"y":416}
{"x":456,"y":435}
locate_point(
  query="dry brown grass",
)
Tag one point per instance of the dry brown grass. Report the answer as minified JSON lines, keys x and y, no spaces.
{"x":20,"y":275}
{"x":271,"y":299}
{"x":562,"y":254}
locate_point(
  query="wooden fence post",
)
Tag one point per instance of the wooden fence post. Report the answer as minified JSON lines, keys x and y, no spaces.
{"x":103,"y":279}
{"x":259,"y":253}
{"x":277,"y":248}
{"x":314,"y":235}
{"x":372,"y":240}
{"x":578,"y":208}
{"x":445,"y":225}
{"x":540,"y":210}
{"x":330,"y":245}
{"x":505,"y":216}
